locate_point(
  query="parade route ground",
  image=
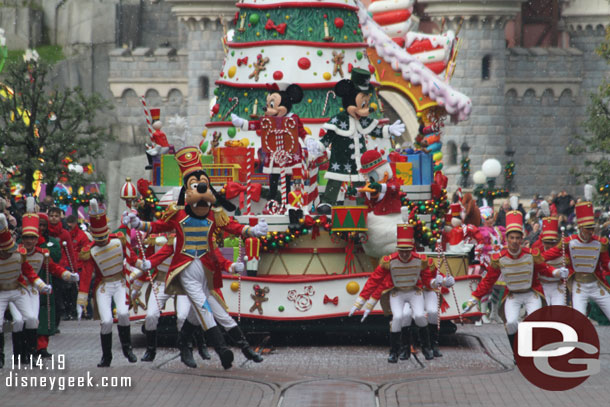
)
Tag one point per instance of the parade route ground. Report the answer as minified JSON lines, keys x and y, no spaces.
{"x":476,"y":370}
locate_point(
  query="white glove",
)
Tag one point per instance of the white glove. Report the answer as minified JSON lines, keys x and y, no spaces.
{"x":47,"y":289}
{"x":79,"y":311}
{"x":74,"y":277}
{"x":368,"y":307}
{"x":260,"y":229}
{"x":352,"y":310}
{"x":145,"y":266}
{"x":561,"y":272}
{"x":313,"y":147}
{"x":366,"y":314}
{"x":237,"y":267}
{"x":238,"y":121}
{"x":468,"y":305}
{"x":131,"y":219}
{"x":397,"y":128}
{"x":449,"y":281}
{"x":134,"y":275}
{"x":436,"y":281}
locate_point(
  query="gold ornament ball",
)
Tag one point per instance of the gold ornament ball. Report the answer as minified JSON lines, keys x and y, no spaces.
{"x":234,"y":286}
{"x":352,"y":287}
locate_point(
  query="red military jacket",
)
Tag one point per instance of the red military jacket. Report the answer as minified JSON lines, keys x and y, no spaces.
{"x":388,"y":201}
{"x":380,"y":282}
{"x":90,"y":267}
{"x":211,"y":260}
{"x":601,"y":268}
{"x":494,"y":270}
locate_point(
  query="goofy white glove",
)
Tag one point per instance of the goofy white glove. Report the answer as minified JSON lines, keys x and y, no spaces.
{"x":260,"y":229}
{"x":237,"y":268}
{"x":131,"y":219}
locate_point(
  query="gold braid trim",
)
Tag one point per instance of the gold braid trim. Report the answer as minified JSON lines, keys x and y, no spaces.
{"x":220,"y":217}
{"x":85,"y":254}
{"x":385,"y":262}
{"x":169,"y":212}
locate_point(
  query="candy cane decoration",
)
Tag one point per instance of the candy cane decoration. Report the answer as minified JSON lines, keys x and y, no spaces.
{"x":249,"y":170}
{"x":155,"y":288}
{"x":147,"y":117}
{"x":281,"y":157}
{"x":272,"y":207}
{"x":326,"y":100}
{"x":232,"y":108}
{"x":563,"y":264}
{"x":65,"y":245}
{"x":239,"y":259}
{"x":438,"y":293}
{"x":46,"y":266}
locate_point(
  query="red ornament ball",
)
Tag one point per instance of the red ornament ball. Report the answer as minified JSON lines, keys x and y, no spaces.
{"x":215,"y":108}
{"x":339,"y":22}
{"x":277,"y":75}
{"x":349,"y":68}
{"x":304,"y":63}
{"x":371,"y":68}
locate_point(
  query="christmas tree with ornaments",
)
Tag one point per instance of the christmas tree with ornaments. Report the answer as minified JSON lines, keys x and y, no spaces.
{"x":311,"y":43}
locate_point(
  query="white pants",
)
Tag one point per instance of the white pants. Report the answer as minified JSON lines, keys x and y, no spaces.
{"x":218,"y":311}
{"x":20,"y":298}
{"x":104,"y":294}
{"x":554,"y":293}
{"x":431,"y":306}
{"x":195,"y":284}
{"x":512,"y":306}
{"x":583,"y":292}
{"x":153,"y":313}
{"x":398,"y":299}
{"x":33,"y":301}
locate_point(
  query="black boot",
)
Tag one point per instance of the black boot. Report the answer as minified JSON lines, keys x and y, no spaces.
{"x":18,"y":345}
{"x":151,"y":346}
{"x":198,"y":334}
{"x":150,"y":162}
{"x":217,"y":341}
{"x":324,"y":209}
{"x":186,"y":353}
{"x":125,"y":338}
{"x":426,"y":349}
{"x":511,"y":340}
{"x":405,"y":339}
{"x":1,"y":350}
{"x":433,"y":330}
{"x":240,"y":340}
{"x":30,"y":337}
{"x":106,"y":350}
{"x":294,"y":220}
{"x":394,"y":347}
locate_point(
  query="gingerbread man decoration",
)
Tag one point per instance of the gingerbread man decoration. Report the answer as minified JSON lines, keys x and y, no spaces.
{"x":259,"y":66}
{"x":259,"y":297}
{"x":215,"y":141}
{"x":338,"y":61}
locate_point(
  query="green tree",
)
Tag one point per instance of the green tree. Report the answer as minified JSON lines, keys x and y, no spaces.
{"x":595,"y":143}
{"x":40,"y":124}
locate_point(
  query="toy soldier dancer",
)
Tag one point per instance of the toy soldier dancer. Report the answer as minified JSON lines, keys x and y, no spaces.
{"x":62,"y":289}
{"x":520,"y":268}
{"x":397,"y":281}
{"x":13,"y":267}
{"x":183,"y":306}
{"x":105,"y":258}
{"x":36,"y":256}
{"x":196,"y":268}
{"x":553,"y":288}
{"x":588,"y":265}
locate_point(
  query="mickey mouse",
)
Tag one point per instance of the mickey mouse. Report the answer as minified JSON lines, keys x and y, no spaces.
{"x":346,"y":135}
{"x":279,"y":104}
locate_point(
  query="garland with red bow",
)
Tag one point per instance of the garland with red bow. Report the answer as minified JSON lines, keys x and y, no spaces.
{"x":279,"y":240}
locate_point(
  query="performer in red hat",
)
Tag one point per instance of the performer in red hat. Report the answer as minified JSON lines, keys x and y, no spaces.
{"x":399,"y":280}
{"x":552,"y":286}
{"x":40,"y":260}
{"x":588,"y":262}
{"x":196,"y":260}
{"x":105,"y":258}
{"x":462,"y":237}
{"x":520,"y":268}
{"x":13,"y":268}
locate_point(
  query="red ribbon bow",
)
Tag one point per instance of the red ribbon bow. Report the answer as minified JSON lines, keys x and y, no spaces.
{"x":280,"y":28}
{"x":241,"y":61}
{"x":315,"y":226}
{"x":333,"y":300}
{"x":234,"y":189}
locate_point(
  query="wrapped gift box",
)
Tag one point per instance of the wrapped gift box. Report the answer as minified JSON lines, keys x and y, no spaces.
{"x":234,"y":155}
{"x":421,"y":168}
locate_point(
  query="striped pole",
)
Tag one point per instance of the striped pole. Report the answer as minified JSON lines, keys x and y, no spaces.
{"x":563,"y":264}
{"x":147,"y":116}
{"x":46,"y":264}
{"x":250,"y":170}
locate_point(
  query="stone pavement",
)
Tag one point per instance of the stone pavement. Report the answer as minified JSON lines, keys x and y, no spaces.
{"x":476,"y":370}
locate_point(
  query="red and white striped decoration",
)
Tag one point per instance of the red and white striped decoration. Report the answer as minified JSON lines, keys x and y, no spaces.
{"x":394,"y":16}
{"x":250,"y":170}
{"x":147,"y":117}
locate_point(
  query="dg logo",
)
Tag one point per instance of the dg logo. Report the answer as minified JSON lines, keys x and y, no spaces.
{"x":557,"y":348}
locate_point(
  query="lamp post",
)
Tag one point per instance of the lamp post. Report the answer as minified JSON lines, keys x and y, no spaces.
{"x":491,"y":169}
{"x":509,"y":169}
{"x":465,"y":165}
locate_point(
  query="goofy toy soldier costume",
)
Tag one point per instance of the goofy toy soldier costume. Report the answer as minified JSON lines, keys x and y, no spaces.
{"x":13,"y":268}
{"x":105,"y":257}
{"x":196,"y":268}
{"x":399,"y":280}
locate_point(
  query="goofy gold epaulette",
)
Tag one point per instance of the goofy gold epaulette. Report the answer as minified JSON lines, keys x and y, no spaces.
{"x":220,"y":217}
{"x":495,"y":260}
{"x":537,"y":255}
{"x":385,"y":262}
{"x":169,"y":212}
{"x":85,"y":253}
